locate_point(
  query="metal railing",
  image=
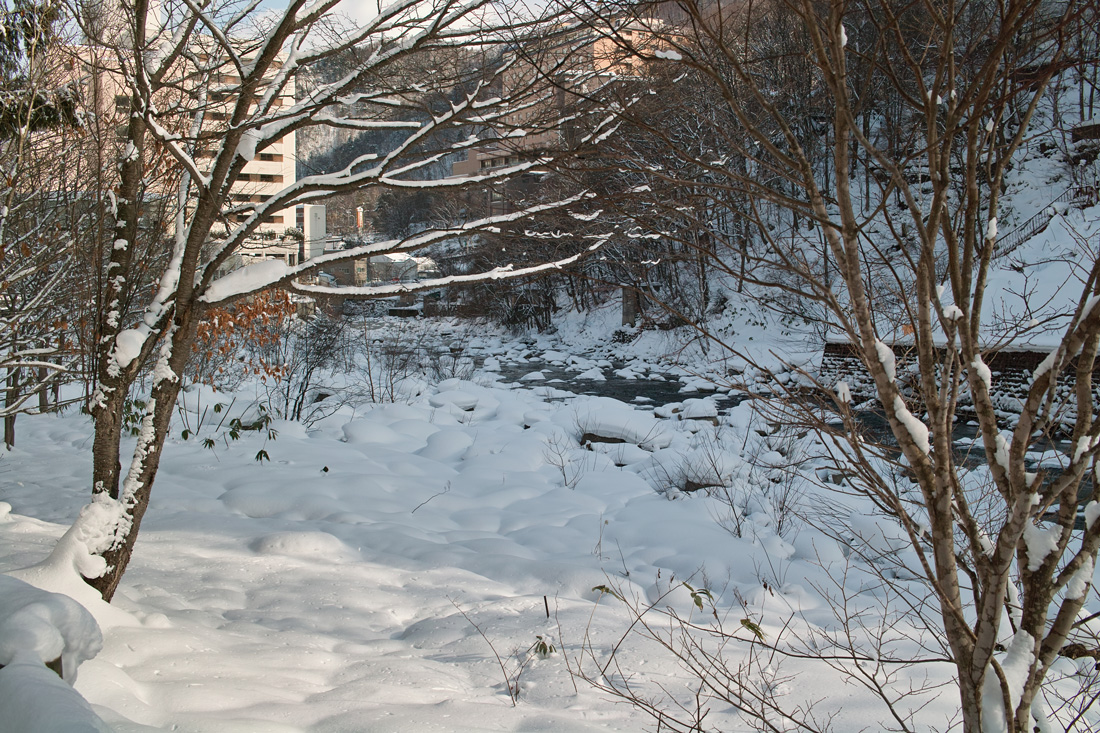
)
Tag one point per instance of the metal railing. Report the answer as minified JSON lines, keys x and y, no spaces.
{"x":1008,"y":243}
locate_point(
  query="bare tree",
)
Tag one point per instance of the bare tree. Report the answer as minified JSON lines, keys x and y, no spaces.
{"x":872,"y":203}
{"x":208,"y":87}
{"x":38,"y":109}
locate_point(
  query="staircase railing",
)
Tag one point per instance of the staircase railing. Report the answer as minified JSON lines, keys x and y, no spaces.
{"x":1008,"y":243}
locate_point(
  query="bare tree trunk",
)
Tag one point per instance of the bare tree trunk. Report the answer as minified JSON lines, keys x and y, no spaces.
{"x":134,"y":331}
{"x":12,"y":399}
{"x":134,"y":490}
{"x":43,"y":391}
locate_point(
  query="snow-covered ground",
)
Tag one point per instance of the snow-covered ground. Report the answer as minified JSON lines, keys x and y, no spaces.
{"x":369,"y":575}
{"x":391,"y":568}
{"x":337,"y":587}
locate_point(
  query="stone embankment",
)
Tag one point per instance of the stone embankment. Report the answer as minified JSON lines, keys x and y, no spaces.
{"x":1012,"y":371}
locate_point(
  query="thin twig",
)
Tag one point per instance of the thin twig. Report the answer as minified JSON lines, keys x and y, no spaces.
{"x":446,"y":488}
{"x":513,"y":693}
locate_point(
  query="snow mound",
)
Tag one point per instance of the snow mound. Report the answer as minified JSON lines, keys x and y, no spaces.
{"x":358,"y":432}
{"x":446,"y":445}
{"x":877,"y":536}
{"x":41,"y":626}
{"x":35,"y":700}
{"x":460,"y":399}
{"x":622,"y":454}
{"x":697,"y":409}
{"x":613,"y":420}
{"x":302,"y":544}
{"x":697,"y":384}
{"x":709,"y":466}
{"x":669,"y":410}
{"x":73,"y":559}
{"x":261,"y":500}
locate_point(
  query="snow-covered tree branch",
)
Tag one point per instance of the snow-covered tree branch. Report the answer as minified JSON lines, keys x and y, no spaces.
{"x":37,"y":107}
{"x":847,"y":162}
{"x":209,"y":88}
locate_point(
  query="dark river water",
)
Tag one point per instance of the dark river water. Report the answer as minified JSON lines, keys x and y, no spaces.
{"x":655,"y":392}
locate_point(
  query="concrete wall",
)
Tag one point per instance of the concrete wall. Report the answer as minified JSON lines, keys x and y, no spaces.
{"x":315,"y":230}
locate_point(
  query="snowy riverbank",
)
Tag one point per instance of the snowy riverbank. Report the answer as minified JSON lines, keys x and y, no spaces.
{"x":325,"y":590}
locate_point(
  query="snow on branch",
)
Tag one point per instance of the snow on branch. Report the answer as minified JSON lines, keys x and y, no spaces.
{"x":172,"y":142}
{"x":322,"y":185}
{"x":917,"y":430}
{"x":260,"y":276}
{"x":216,"y":31}
{"x":507,"y":272}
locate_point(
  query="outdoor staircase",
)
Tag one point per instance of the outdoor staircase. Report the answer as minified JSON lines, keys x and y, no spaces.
{"x":1007,"y":244}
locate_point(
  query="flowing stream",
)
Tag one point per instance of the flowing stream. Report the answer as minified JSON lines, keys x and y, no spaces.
{"x":639,"y":391}
{"x":646,"y":393}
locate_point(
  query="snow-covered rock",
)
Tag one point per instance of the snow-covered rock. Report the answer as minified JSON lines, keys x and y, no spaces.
{"x":40,"y":626}
{"x":595,"y":374}
{"x":608,"y":420}
{"x":703,"y":410}
{"x":35,"y":700}
{"x":460,"y":399}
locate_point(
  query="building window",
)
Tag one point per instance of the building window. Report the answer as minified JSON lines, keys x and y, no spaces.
{"x":261,"y":177}
{"x":495,"y":162}
{"x":271,"y":157}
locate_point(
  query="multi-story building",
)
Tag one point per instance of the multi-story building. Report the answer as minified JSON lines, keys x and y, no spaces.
{"x":108,"y":96}
{"x":582,"y":65}
{"x":270,"y":170}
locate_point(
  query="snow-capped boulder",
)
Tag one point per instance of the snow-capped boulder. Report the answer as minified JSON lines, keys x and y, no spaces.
{"x":35,"y":700}
{"x":47,"y":628}
{"x":702,"y":410}
{"x":604,"y":420}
